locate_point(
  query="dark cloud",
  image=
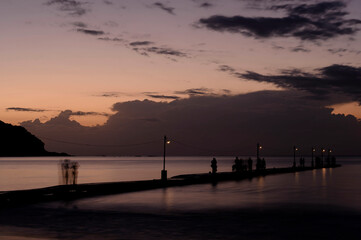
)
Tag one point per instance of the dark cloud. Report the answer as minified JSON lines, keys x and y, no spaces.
{"x":162,"y":6}
{"x":140,"y":43}
{"x":223,"y":125}
{"x":334,"y":79}
{"x":109,"y":94}
{"x":72,"y":7}
{"x":19,"y":109}
{"x":320,"y":21}
{"x":340,"y":51}
{"x":300,"y":49}
{"x":108,"y":2}
{"x":172,"y":97}
{"x":90,"y":32}
{"x":206,"y":5}
{"x":165,"y":51}
{"x":226,"y":68}
{"x":111,"y":39}
{"x":80,"y":113}
{"x":158,"y":50}
{"x":80,"y":24}
{"x":195,"y":91}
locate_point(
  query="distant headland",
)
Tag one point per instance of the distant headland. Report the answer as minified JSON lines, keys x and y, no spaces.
{"x":16,"y":141}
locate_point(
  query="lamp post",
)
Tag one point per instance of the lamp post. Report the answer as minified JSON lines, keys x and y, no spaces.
{"x":322,"y":151}
{"x":329,"y":157}
{"x":258,"y":148}
{"x":164,"y":172}
{"x":294,"y":155}
{"x":312,"y":162}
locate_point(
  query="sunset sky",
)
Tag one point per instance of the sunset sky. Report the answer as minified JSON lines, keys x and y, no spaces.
{"x":90,"y":60}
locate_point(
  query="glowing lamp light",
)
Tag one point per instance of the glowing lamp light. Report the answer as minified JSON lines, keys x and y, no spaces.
{"x":296,"y":149}
{"x":168,"y":142}
{"x":260,"y":147}
{"x":323,"y":150}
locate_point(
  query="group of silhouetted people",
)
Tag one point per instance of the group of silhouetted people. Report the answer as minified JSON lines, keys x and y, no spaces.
{"x":241,"y":165}
{"x":69,"y":171}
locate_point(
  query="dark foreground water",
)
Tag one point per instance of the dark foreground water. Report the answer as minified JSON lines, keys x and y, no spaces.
{"x":318,"y":204}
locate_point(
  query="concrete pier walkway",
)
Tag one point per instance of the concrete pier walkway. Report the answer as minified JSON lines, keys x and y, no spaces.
{"x":71,"y":192}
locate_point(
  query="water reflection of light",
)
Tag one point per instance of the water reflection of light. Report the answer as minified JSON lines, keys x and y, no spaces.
{"x":324,"y":177}
{"x":260,"y":188}
{"x":167,"y":198}
{"x":260,"y":183}
{"x":297,"y":177}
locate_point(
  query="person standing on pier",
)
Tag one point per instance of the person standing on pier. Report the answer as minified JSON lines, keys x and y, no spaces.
{"x":74,"y":169}
{"x":214,"y":166}
{"x":238,"y":165}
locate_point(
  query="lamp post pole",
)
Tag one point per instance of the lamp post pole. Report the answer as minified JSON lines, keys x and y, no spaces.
{"x":322,"y":151}
{"x":164,"y":146}
{"x":164,"y":172}
{"x":294,"y":156}
{"x":312,"y":163}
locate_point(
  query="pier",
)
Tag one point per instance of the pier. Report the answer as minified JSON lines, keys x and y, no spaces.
{"x":77,"y":191}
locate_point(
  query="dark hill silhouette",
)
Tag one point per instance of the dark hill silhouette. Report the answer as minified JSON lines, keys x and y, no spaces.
{"x":17,"y":141}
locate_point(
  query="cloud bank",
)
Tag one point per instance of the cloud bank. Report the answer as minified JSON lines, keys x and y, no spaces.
{"x":209,"y":125}
{"x":323,"y":82}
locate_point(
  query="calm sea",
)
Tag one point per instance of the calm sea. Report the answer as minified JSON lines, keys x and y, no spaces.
{"x":36,"y":172}
{"x":334,"y":186}
{"x":271,"y":207}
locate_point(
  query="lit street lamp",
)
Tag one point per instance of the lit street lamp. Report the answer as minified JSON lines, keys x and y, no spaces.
{"x":322,"y":151}
{"x":294,"y":155}
{"x":164,"y":172}
{"x":258,"y":148}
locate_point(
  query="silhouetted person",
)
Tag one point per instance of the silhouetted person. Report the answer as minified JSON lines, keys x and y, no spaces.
{"x":238,"y":165}
{"x":65,"y":171}
{"x":250,"y":164}
{"x":74,"y":169}
{"x":214,"y":166}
